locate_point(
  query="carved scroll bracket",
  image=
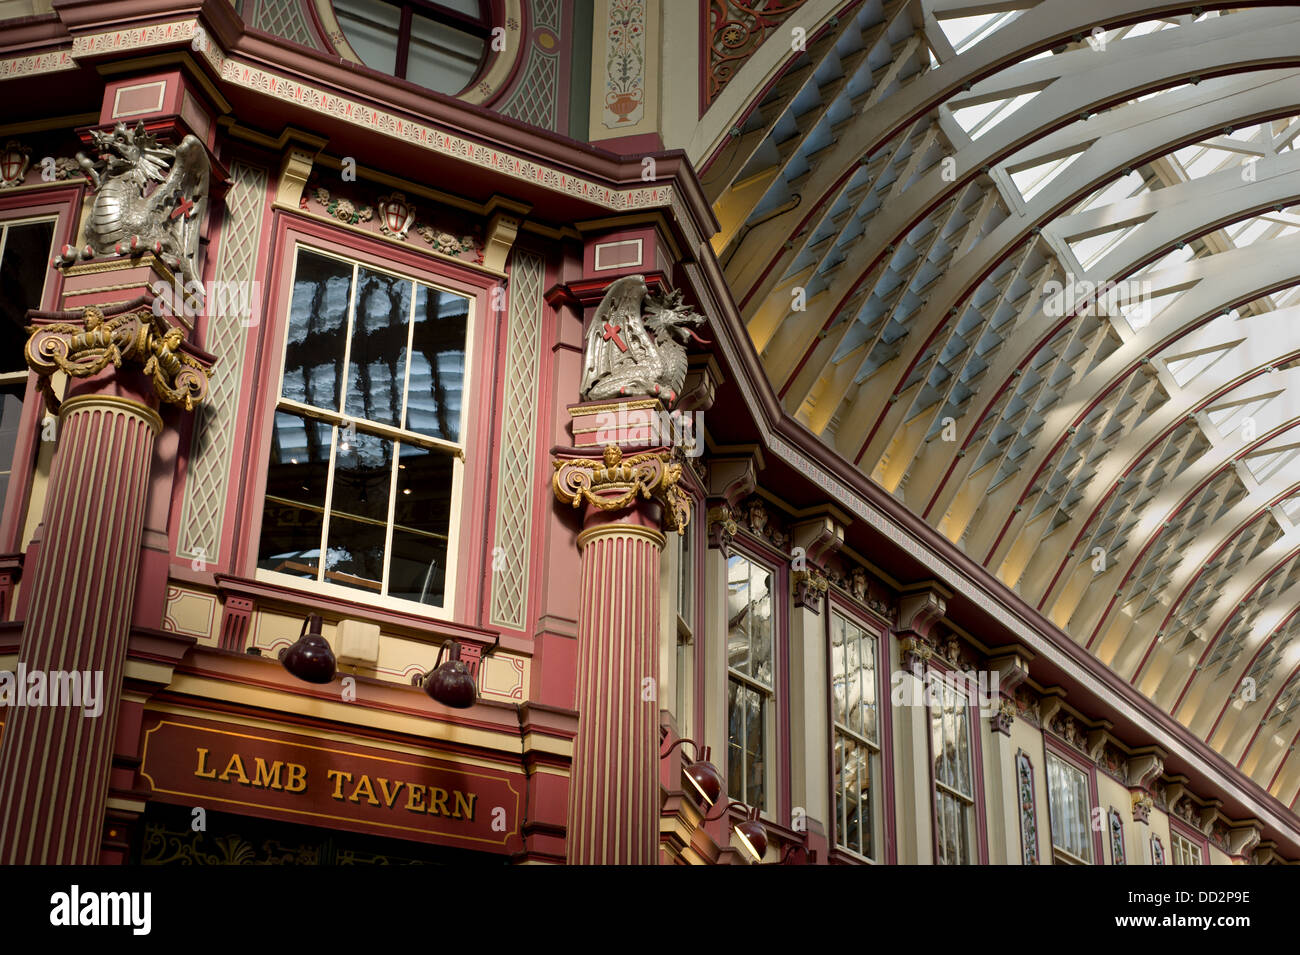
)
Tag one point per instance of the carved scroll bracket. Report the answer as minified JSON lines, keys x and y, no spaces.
{"x":731,"y":480}
{"x":921,"y":607}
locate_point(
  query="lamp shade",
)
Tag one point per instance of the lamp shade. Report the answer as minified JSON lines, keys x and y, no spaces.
{"x":450,"y":683}
{"x":310,"y":659}
{"x":753,"y":836}
{"x":704,"y":778}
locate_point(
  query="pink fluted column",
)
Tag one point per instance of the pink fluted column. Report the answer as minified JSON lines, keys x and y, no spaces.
{"x":614,"y":783}
{"x":55,"y":760}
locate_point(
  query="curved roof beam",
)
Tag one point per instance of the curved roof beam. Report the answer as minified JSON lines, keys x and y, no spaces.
{"x":1268,"y":727}
{"x":1247,"y":630}
{"x":1071,"y":84}
{"x":1215,"y":284}
{"x":767,"y":81}
{"x":1079,"y":599}
{"x":832,"y":57}
{"x":1171,"y":215}
{"x":1215,"y":534}
{"x":1236,"y":729}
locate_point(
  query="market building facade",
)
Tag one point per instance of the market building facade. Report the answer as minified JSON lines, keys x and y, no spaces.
{"x":632,"y":432}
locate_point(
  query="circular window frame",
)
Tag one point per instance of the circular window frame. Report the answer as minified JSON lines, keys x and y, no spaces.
{"x":487,"y":84}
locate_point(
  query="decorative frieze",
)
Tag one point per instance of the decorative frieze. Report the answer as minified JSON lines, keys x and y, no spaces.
{"x":395,"y":216}
{"x":1069,"y":729}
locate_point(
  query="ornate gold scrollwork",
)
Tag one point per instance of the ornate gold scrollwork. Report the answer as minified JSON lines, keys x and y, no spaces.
{"x":614,"y":483}
{"x":87,"y":348}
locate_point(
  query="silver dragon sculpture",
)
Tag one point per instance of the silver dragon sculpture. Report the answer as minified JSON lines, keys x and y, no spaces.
{"x":147,"y":198}
{"x":636,"y":343}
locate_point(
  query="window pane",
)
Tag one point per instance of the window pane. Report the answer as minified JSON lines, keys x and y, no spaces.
{"x":686,"y":579}
{"x":761,"y":625}
{"x":839,"y":677}
{"x":441,"y":57}
{"x":363,"y":471}
{"x":471,"y":8}
{"x":756,"y":748}
{"x":22,"y":280}
{"x":852,"y":787}
{"x":11,"y":412}
{"x":739,"y":609}
{"x":961,"y":729}
{"x":377,"y":361}
{"x":1070,"y":805}
{"x":437,"y":364}
{"x":318,"y":316}
{"x":422,"y":523}
{"x":961,"y":825}
{"x":685,"y":687}
{"x":735,"y":741}
{"x":295,"y":496}
{"x":371,"y":27}
{"x":868,"y":655}
{"x":853,"y":685}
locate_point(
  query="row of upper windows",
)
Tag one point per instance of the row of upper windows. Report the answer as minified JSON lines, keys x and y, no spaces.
{"x":860,"y":740}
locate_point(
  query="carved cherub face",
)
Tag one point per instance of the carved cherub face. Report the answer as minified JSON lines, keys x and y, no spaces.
{"x":858,"y":583}
{"x":757,"y":516}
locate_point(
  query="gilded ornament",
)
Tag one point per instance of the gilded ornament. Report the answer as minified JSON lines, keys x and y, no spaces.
{"x":85,"y":348}
{"x":615,"y":482}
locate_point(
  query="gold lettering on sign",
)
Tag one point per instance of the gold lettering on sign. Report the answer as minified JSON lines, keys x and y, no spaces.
{"x":267,"y":778}
{"x":415,"y":797}
{"x":203,"y":760}
{"x":236,"y":765}
{"x":339,"y":778}
{"x":297,"y":778}
{"x":364,"y":791}
{"x":287,"y":777}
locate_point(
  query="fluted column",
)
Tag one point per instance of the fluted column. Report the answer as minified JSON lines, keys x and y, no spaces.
{"x":614,"y":782}
{"x":54,"y":764}
{"x":55,"y":760}
{"x":614,"y":793}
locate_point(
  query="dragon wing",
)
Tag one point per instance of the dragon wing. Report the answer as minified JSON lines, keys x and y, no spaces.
{"x":620,"y":308}
{"x":186,"y":183}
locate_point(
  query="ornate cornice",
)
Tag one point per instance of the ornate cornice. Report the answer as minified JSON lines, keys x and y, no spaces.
{"x":615,"y":483}
{"x":85,"y":347}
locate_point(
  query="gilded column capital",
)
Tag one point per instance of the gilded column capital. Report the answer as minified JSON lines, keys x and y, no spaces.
{"x":86,"y":346}
{"x":615,"y":482}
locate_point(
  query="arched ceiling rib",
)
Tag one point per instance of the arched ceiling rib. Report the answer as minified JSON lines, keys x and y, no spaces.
{"x":898,"y":209}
